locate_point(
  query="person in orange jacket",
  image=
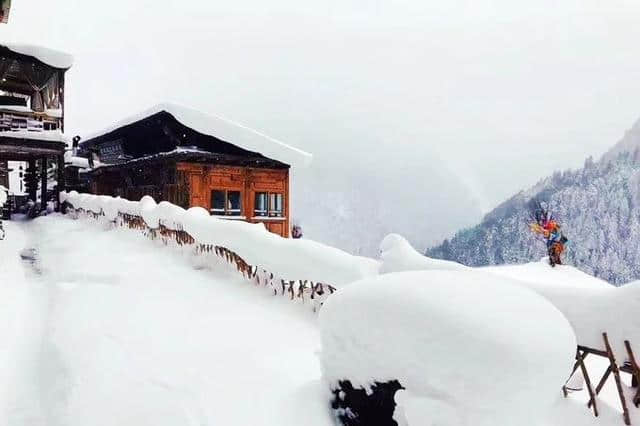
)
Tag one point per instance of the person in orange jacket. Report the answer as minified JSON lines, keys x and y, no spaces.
{"x":555,"y":239}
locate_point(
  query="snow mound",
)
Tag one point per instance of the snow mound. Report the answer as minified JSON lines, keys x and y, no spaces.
{"x":591,"y":305}
{"x":223,"y":129}
{"x":468,"y":347}
{"x":50,"y":57}
{"x":291,"y":259}
{"x":398,"y":255}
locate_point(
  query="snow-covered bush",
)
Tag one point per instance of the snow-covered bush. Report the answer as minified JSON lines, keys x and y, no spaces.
{"x":468,"y":347}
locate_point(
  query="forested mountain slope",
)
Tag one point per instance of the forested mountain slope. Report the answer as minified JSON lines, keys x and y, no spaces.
{"x":597,"y":205}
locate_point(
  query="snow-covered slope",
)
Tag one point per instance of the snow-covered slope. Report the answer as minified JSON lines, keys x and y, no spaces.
{"x":591,"y":305}
{"x":116,"y":329}
{"x":598,"y":207}
{"x":630,"y":142}
{"x":137,"y":336}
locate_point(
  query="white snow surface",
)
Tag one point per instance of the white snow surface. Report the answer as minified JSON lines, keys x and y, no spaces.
{"x":45,"y":135}
{"x":3,"y":194}
{"x":221,"y":128}
{"x":397,"y":255}
{"x":444,"y":335}
{"x":128,"y":332}
{"x":16,"y":108}
{"x":591,"y":305}
{"x":55,"y":58}
{"x":75,"y":161}
{"x":290,"y":259}
{"x":107,"y":327}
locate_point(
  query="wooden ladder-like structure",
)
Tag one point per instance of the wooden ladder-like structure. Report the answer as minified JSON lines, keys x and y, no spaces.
{"x":631,"y":367}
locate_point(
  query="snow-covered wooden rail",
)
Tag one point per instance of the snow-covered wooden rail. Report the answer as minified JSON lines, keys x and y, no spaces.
{"x":287,"y":274}
{"x":630,"y":366}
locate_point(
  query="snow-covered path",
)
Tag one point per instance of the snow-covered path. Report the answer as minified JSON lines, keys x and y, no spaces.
{"x":127,"y":333}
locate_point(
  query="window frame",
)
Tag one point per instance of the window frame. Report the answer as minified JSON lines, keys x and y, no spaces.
{"x":227,"y":211}
{"x":269,"y":211}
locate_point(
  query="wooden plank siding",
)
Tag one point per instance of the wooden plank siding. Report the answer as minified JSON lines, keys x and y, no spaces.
{"x":199,"y":180}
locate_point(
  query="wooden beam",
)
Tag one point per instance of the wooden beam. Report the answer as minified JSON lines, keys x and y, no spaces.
{"x":575,"y":368}
{"x":44,"y":181}
{"x":636,"y":372}
{"x":602,"y":382}
{"x":616,"y":375}
{"x":587,"y":380}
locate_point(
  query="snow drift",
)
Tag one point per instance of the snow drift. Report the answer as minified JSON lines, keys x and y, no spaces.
{"x":290,"y":259}
{"x":422,"y":327}
{"x":591,"y":305}
{"x":398,"y":255}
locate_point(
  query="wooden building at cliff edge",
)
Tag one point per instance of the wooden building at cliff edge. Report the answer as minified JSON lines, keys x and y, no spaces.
{"x":32,"y":109}
{"x":189,"y":158}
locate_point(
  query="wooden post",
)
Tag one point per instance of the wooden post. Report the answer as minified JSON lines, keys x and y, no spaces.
{"x":61,"y":183}
{"x":33,"y":182}
{"x":616,"y":375}
{"x":587,"y":381}
{"x":43,"y":177}
{"x":575,"y":368}
{"x":636,"y":372}
{"x":603,"y":380}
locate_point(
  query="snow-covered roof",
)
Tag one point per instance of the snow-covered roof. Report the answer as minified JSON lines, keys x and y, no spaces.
{"x":51,"y":57}
{"x":16,"y":108}
{"x":48,"y":135}
{"x":221,"y":128}
{"x":73,"y":161}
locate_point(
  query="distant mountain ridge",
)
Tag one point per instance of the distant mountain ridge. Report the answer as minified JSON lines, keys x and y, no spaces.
{"x":597,"y":205}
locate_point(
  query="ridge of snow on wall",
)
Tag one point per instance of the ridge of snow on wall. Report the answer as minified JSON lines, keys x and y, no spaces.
{"x":291,"y":259}
{"x":591,"y":305}
{"x":223,"y":129}
{"x":54,"y":58}
{"x":469,"y":347}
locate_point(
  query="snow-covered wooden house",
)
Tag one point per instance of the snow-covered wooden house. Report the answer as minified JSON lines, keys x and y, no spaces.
{"x":189,"y":158}
{"x":32,"y":112}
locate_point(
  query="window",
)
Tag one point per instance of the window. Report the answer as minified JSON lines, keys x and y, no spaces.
{"x":268,"y":204}
{"x":226,"y":203}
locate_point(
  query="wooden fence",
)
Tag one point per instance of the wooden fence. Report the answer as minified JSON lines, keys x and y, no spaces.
{"x":305,"y":291}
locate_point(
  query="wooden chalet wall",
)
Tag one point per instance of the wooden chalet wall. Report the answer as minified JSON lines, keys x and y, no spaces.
{"x":134,"y":181}
{"x":189,"y":184}
{"x":201,"y":179}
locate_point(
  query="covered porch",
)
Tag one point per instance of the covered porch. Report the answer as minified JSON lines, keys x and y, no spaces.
{"x":44,"y":155}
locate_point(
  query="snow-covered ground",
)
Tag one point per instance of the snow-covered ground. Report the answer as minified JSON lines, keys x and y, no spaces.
{"x":109,"y":328}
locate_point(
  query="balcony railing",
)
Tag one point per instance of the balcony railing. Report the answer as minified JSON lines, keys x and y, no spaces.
{"x":21,"y":118}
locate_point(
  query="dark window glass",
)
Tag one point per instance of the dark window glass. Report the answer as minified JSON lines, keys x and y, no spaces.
{"x":218,"y":202}
{"x":261,"y":204}
{"x":226,"y":203}
{"x":275,"y":205}
{"x":234,"y":203}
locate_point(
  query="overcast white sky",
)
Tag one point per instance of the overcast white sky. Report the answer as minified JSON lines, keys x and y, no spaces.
{"x":497,"y":94}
